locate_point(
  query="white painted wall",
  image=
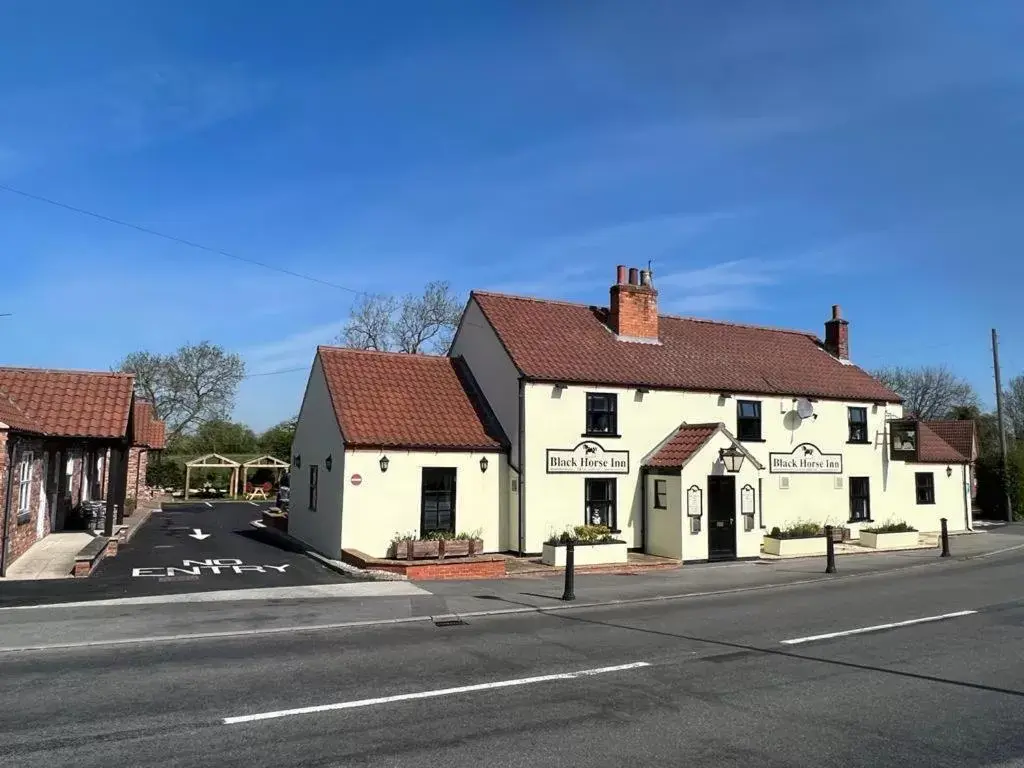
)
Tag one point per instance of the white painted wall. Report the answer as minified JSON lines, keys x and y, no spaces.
{"x":386,"y":503}
{"x":668,"y":526}
{"x":317,"y":436}
{"x":558,"y":420}
{"x":493,"y":370}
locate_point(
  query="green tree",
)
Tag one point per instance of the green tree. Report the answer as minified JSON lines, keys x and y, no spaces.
{"x":277,"y":441}
{"x":223,"y":436}
{"x":195,"y":384}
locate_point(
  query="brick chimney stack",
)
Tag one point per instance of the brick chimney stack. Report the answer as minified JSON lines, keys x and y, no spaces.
{"x":634,"y":304}
{"x":837,"y":334}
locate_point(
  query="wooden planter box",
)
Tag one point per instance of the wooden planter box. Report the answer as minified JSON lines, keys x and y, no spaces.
{"x":794,"y":547}
{"x":434,"y":550}
{"x":889,"y":540}
{"x":840,"y":534}
{"x":586,"y":554}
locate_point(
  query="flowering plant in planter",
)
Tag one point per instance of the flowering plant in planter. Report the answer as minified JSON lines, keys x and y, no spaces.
{"x":582,"y":534}
{"x":797,"y":530}
{"x":435,"y":544}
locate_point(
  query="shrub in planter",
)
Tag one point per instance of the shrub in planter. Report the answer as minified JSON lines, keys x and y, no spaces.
{"x":582,"y":534}
{"x":900,"y":527}
{"x":799,"y":538}
{"x":892,"y":535}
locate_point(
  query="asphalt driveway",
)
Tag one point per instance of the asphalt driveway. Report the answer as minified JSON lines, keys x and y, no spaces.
{"x":194,"y":547}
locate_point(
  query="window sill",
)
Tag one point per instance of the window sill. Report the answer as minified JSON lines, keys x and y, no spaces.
{"x":926,"y":503}
{"x":857,"y":442}
{"x":859,"y":520}
{"x":24,"y":517}
{"x":657,"y":507}
{"x":751,"y":440}
{"x":607,"y":435}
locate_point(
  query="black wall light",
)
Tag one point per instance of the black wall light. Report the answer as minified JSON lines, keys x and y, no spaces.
{"x":297,"y":459}
{"x":949,"y":471}
{"x":328,"y":461}
{"x":384,"y":463}
{"x":483,"y":464}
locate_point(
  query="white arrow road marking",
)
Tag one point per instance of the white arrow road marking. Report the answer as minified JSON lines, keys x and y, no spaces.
{"x":432,"y":694}
{"x":208,"y":504}
{"x":198,"y":534}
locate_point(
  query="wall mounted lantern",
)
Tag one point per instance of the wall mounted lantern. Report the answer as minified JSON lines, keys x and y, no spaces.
{"x":732,"y":457}
{"x":949,"y":471}
{"x":483,"y":464}
{"x":384,"y":463}
{"x":297,"y":460}
{"x":328,"y":461}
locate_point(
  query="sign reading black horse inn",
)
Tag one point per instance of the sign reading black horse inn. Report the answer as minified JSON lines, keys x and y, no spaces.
{"x":808,"y":459}
{"x":587,"y":458}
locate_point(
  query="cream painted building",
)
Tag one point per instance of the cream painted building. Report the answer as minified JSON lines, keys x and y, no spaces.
{"x":394,"y":444}
{"x":689,"y":438}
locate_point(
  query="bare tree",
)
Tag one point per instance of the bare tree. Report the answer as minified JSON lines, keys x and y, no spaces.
{"x":194,"y":385}
{"x":929,"y":392}
{"x":416,"y":324}
{"x":370,"y":323}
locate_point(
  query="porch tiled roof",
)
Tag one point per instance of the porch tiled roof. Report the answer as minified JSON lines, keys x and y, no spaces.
{"x":682,"y":445}
{"x":66,"y":403}
{"x":565,"y":342}
{"x":394,"y":400}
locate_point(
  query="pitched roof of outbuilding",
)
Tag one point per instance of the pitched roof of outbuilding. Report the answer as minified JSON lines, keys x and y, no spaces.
{"x":396,"y":400}
{"x":959,"y":434}
{"x":933,"y":449}
{"x":147,"y":429}
{"x":65,"y":403}
{"x":567,"y":342}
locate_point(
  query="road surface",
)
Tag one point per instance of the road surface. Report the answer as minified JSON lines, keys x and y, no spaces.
{"x":728,"y":680}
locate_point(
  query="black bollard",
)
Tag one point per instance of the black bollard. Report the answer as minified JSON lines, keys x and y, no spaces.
{"x":570,"y":561}
{"x":830,"y":551}
{"x":945,"y":539}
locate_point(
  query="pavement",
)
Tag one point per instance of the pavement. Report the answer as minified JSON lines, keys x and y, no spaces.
{"x":166,"y":556}
{"x":53,"y":557}
{"x":911,"y":666}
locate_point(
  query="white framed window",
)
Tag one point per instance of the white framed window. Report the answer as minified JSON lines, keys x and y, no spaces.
{"x":25,"y":483}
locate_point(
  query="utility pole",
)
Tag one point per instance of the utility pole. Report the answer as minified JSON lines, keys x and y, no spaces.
{"x":1002,"y":424}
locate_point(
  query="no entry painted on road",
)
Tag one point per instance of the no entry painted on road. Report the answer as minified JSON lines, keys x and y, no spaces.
{"x":208,"y":566}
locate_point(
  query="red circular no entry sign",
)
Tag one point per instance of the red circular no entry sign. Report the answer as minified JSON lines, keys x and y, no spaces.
{"x":357,"y":479}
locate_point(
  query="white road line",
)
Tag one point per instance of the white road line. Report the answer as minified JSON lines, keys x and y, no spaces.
{"x":254,"y":503}
{"x":876,"y":628}
{"x":208,"y":504}
{"x":433,"y":694}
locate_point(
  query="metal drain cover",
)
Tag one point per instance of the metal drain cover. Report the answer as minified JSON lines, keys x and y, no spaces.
{"x":451,"y":620}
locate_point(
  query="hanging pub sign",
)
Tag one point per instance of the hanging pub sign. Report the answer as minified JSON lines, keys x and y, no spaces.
{"x":808,"y":459}
{"x":587,"y":458}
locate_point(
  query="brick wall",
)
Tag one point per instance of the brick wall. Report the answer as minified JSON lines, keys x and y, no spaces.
{"x":138,"y":463}
{"x":21,"y":533}
{"x":634,"y":311}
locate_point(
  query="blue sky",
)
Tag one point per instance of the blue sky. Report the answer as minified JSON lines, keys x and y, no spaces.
{"x":771,"y":159}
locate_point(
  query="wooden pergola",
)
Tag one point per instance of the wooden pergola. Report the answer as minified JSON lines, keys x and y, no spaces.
{"x":263,"y":462}
{"x":213,"y":461}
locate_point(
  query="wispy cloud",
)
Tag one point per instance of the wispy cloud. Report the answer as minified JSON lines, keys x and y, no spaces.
{"x":292,"y":351}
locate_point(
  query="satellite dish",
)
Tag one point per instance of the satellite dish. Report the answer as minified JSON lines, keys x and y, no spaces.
{"x":804,"y":409}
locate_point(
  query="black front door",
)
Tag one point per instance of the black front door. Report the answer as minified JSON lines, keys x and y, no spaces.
{"x":437,"y":509}
{"x":721,"y":517}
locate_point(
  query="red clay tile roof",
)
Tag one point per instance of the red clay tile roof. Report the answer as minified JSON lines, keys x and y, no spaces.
{"x":681,"y":447}
{"x":67,"y":403}
{"x":564,"y":342}
{"x":147,"y":430}
{"x":394,"y":400}
{"x":932,"y":449}
{"x":959,"y":434}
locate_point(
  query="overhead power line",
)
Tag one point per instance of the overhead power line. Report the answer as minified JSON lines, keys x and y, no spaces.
{"x":175,"y":239}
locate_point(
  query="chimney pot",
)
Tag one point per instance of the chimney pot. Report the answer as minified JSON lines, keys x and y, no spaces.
{"x":620,"y":274}
{"x":837,"y":312}
{"x":645,"y":277}
{"x":837,"y":334}
{"x":634,"y":276}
